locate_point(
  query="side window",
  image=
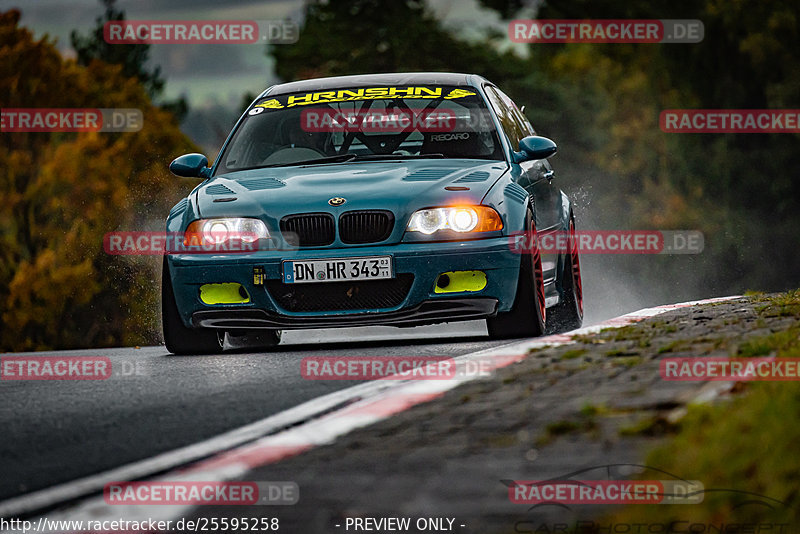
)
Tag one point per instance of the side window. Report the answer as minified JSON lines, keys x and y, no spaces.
{"x":515,"y":111}
{"x":512,"y":127}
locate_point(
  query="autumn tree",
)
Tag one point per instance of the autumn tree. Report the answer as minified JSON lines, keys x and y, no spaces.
{"x":61,"y":192}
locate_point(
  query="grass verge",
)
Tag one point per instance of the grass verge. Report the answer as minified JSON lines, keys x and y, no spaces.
{"x":746,"y":452}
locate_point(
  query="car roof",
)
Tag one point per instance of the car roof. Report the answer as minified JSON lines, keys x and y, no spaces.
{"x":366,"y":80}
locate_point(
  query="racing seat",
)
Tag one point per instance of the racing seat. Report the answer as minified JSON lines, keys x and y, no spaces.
{"x":455,"y":144}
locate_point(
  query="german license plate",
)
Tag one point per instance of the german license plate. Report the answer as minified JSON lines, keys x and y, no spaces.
{"x":337,"y":269}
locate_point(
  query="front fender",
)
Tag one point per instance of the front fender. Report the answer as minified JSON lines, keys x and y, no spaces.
{"x":511,"y":202}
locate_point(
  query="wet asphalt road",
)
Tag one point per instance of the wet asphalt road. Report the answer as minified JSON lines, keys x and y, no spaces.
{"x":56,"y":431}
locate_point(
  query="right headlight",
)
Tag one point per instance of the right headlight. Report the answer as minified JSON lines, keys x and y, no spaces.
{"x":462,"y":219}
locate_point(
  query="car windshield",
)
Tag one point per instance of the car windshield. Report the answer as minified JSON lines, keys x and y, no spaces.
{"x":363,"y":123}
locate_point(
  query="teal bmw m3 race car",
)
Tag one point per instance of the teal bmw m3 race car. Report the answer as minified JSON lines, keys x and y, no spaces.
{"x":386,"y":199}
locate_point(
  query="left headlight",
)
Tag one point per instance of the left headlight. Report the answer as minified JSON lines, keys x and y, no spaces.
{"x":216,"y":231}
{"x":460,"y":219}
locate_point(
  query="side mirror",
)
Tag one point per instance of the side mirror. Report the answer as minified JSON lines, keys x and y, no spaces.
{"x":534,"y":147}
{"x":190,"y":166}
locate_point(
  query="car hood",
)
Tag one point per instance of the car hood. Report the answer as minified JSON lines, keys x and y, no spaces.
{"x":399,"y":186}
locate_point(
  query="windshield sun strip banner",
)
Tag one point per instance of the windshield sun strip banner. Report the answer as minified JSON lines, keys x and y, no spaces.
{"x":363,"y":93}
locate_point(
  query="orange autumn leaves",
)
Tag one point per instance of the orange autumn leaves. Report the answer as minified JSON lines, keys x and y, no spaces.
{"x":61,"y":192}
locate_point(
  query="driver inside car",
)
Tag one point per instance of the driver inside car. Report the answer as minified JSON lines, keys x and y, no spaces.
{"x":299,"y":145}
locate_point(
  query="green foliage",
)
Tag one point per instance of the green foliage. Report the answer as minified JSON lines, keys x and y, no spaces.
{"x":132,"y":57}
{"x":710,"y":448}
{"x":506,"y":8}
{"x":342,"y":37}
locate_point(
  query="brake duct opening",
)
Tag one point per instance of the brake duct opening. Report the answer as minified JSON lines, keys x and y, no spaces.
{"x":228,"y":293}
{"x":460,"y":281}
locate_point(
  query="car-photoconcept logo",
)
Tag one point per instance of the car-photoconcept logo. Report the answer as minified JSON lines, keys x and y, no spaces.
{"x":553,"y":500}
{"x":337,"y":201}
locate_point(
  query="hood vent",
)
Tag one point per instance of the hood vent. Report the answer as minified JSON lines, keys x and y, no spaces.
{"x":258,"y":184}
{"x":428,"y":175}
{"x":476,"y":176}
{"x":218,"y":189}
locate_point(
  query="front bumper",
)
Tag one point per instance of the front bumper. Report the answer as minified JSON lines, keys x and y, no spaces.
{"x":421,"y":305}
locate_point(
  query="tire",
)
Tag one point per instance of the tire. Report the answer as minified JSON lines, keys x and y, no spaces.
{"x":178,"y":338}
{"x":252,"y":339}
{"x":527,"y":316}
{"x":568,"y":313}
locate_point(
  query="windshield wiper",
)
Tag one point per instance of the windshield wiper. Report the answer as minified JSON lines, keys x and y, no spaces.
{"x":341,"y":158}
{"x":398,"y":156}
{"x":349,"y":156}
{"x":327,"y":159}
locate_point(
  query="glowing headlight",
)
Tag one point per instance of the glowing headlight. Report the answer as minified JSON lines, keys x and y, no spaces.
{"x":210,"y":231}
{"x":462,"y":219}
{"x":459,"y":219}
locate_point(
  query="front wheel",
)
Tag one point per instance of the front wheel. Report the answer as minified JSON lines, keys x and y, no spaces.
{"x":528,"y":314}
{"x":178,"y":338}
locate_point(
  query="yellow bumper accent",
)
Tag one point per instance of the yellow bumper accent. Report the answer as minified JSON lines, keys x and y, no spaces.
{"x":460,"y":281}
{"x":224,"y":294}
